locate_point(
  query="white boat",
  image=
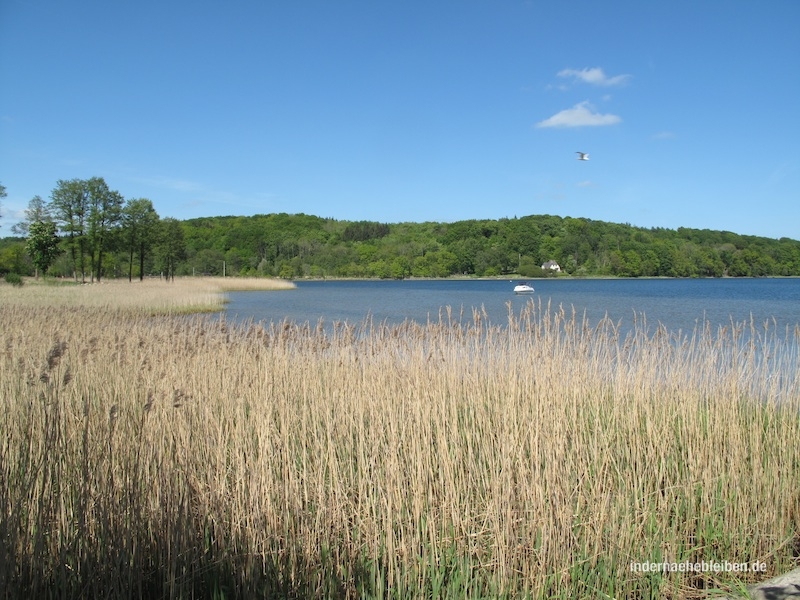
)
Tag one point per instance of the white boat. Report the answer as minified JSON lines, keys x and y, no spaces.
{"x":523,"y":288}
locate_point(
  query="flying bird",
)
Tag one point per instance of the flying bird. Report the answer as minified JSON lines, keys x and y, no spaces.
{"x":583,"y":155}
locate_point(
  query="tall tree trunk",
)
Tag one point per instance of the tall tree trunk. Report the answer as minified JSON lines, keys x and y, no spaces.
{"x":99,"y":261}
{"x":82,"y":254}
{"x":141,"y":262}
{"x":74,"y":258}
{"x":99,"y":264}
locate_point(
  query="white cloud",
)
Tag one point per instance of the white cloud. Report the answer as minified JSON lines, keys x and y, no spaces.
{"x":595,"y":76}
{"x":580,"y":115}
{"x":664,"y":135}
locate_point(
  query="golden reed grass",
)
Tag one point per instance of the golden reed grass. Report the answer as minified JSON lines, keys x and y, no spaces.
{"x":153,"y":296}
{"x":192,"y":457}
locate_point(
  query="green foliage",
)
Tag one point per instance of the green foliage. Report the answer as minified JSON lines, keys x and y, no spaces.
{"x":13,"y":257}
{"x":95,"y":225}
{"x":140,"y":230}
{"x":364,"y":230}
{"x":171,"y":248}
{"x":42,"y":245}
{"x":105,"y":214}
{"x":70,"y":207}
{"x":282,"y":245}
{"x":14,"y":279}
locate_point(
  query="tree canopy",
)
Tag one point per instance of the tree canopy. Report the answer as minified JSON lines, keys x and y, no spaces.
{"x":42,"y":245}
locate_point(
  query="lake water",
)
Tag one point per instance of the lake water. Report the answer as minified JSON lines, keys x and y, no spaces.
{"x":679,"y":304}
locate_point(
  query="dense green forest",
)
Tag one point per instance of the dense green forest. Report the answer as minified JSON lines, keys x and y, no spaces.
{"x":101,"y":234}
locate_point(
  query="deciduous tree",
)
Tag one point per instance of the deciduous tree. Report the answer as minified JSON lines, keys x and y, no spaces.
{"x":105,"y":213}
{"x":139,"y":224}
{"x":37,"y":211}
{"x":42,"y":245}
{"x":69,"y":205}
{"x":171,"y":248}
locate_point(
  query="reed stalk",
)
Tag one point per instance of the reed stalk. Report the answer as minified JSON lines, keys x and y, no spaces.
{"x":194,"y":457}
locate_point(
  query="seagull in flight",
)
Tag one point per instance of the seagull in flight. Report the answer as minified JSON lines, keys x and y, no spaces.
{"x":583,"y":155}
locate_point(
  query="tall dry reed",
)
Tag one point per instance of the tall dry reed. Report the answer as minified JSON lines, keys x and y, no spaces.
{"x":178,"y":457}
{"x":151,"y":296}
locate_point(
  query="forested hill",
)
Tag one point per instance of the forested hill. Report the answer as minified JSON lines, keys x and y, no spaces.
{"x":292,"y":246}
{"x":302,"y":245}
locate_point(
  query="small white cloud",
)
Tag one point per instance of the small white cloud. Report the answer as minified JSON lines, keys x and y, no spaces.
{"x":586,"y":183}
{"x":664,"y":135}
{"x":580,"y":115}
{"x":595,"y":76}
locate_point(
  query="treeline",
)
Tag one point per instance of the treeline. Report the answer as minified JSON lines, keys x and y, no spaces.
{"x":88,"y":231}
{"x":306,"y":246}
{"x":102,"y":235}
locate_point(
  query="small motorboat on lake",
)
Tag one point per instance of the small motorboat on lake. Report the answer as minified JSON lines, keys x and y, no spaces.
{"x":523,"y":288}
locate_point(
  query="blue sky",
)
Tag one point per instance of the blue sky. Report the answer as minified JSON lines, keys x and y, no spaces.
{"x":411,"y":111}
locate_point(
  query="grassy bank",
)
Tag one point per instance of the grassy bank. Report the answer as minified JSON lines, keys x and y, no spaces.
{"x":153,"y":456}
{"x":151,"y":296}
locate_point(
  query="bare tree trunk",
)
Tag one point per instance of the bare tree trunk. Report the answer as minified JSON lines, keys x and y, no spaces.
{"x":141,"y":262}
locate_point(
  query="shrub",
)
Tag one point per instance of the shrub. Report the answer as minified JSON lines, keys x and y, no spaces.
{"x":14,"y":279}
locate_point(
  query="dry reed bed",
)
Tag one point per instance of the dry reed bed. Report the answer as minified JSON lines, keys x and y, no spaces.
{"x":152,"y":296}
{"x":191,"y":457}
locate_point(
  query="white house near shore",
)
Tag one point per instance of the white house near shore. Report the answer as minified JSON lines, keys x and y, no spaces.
{"x":552,"y":266}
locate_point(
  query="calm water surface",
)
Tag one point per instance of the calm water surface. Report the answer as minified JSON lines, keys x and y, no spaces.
{"x":679,"y":304}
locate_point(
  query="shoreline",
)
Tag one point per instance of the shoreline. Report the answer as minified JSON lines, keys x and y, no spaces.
{"x":521,"y":278}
